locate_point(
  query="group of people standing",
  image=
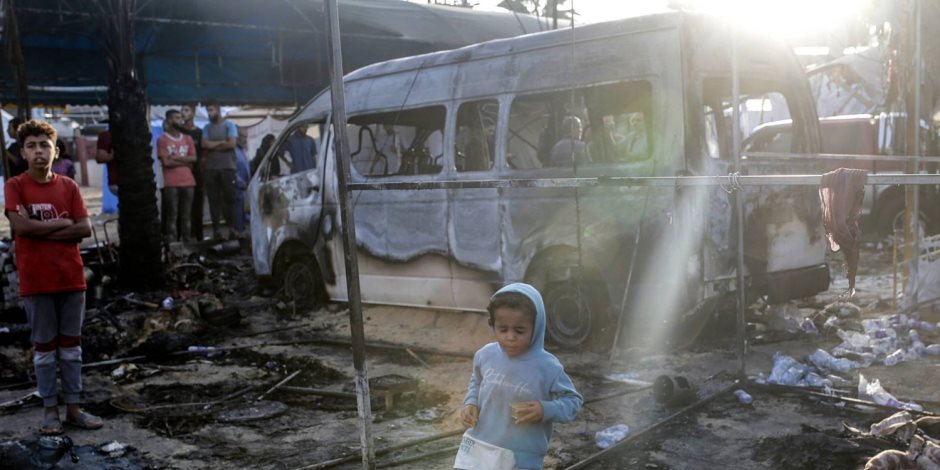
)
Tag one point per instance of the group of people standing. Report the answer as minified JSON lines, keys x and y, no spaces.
{"x":197,"y":164}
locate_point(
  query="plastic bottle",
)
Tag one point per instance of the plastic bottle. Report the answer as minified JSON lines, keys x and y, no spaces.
{"x":815,"y":380}
{"x":854,"y":339}
{"x":610,"y":436}
{"x":923,"y":325}
{"x":884,"y":333}
{"x":898,"y":319}
{"x":743,"y":397}
{"x":808,"y":326}
{"x":917,"y":346}
{"x":824,"y":360}
{"x":882,"y":346}
{"x":786,"y":370}
{"x":894,"y":358}
{"x":873,"y":324}
{"x":208,"y":351}
{"x":167,"y":303}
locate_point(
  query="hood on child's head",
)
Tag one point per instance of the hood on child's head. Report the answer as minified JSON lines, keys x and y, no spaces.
{"x":538,"y":331}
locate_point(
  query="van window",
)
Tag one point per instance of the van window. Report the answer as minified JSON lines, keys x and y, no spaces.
{"x":475,"y":145}
{"x":761,"y":102}
{"x":597,"y":125}
{"x":409,"y":142}
{"x":296,"y":153}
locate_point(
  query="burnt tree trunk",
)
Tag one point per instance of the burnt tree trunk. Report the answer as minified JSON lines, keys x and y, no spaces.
{"x":14,"y":54}
{"x":138,"y":219}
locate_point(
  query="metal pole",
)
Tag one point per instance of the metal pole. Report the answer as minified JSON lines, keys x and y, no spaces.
{"x":915,"y":206}
{"x":738,"y":196}
{"x":640,"y":181}
{"x":341,"y":146}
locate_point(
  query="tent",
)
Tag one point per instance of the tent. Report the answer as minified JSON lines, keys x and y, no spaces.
{"x":240,"y":52}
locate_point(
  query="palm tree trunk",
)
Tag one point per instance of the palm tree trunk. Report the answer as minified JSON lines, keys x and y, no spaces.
{"x":138,"y":219}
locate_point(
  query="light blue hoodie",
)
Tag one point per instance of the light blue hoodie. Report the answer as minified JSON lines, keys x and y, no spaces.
{"x":499,"y":380}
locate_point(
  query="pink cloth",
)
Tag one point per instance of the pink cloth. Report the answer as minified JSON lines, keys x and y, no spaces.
{"x":841,"y":192}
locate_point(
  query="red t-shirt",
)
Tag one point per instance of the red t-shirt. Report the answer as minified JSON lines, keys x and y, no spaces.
{"x":104,"y":143}
{"x":47,"y":266}
{"x":182,"y":146}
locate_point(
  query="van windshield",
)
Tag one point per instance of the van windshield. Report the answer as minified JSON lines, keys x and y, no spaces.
{"x":760,"y":103}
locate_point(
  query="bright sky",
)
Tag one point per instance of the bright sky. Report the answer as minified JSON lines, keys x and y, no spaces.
{"x":592,"y":11}
{"x":784,"y":17}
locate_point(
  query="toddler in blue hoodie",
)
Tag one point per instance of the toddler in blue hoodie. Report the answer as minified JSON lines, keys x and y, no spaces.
{"x":517,"y":388}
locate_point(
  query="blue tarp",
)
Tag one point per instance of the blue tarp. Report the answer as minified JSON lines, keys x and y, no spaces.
{"x":239,"y":52}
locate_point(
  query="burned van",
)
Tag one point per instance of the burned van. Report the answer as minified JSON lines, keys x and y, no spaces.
{"x":641,"y":97}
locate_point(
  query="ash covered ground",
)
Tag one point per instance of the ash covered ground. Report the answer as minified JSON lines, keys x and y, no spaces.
{"x":169,"y":407}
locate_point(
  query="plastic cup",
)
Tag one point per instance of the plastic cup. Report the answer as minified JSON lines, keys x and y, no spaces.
{"x":517,"y":409}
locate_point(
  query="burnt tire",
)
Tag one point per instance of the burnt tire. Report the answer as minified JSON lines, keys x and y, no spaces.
{"x":301,"y":283}
{"x":577,"y":315}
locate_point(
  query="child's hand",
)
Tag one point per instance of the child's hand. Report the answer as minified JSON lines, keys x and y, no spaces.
{"x":469,"y":415}
{"x":528,"y":412}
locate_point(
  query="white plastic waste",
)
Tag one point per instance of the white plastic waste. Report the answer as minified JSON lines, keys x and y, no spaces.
{"x":786,"y":370}
{"x":875,"y":392}
{"x":872,"y":324}
{"x":612,"y":435}
{"x":743,"y":397}
{"x":933,"y":350}
{"x":895,"y":358}
{"x":854,"y":339}
{"x":825,"y":361}
{"x":808,"y":326}
{"x":917,"y":346}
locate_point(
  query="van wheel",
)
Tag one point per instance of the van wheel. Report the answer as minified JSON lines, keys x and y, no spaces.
{"x":574,"y":312}
{"x":301,"y":282}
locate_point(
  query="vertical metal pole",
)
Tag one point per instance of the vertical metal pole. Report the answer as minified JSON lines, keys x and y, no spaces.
{"x":341,"y":145}
{"x":738,"y":196}
{"x":915,"y":206}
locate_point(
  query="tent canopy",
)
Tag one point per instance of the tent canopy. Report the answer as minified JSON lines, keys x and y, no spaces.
{"x":240,"y":52}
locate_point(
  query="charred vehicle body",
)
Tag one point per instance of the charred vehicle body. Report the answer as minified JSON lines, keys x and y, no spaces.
{"x":646,"y":96}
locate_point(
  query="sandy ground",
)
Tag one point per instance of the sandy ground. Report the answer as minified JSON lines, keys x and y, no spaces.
{"x":773,"y":432}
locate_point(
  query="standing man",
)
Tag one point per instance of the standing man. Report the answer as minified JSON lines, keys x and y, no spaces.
{"x":17,"y":162}
{"x":105,"y":155}
{"x":49,"y":217}
{"x":218,"y":140}
{"x":302,"y":149}
{"x":177,"y":154}
{"x":189,"y":128}
{"x":242,"y":178}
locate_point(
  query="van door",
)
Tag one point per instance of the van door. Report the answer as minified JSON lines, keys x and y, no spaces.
{"x":474,"y":213}
{"x":784,"y":247}
{"x":286,"y":197}
{"x":402,"y":234}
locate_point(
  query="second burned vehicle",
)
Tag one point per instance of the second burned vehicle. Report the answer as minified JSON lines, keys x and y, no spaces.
{"x":641,"y":97}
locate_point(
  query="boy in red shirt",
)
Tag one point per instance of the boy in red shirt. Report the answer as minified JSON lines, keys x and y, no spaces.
{"x":177,"y":154}
{"x":49,"y":218}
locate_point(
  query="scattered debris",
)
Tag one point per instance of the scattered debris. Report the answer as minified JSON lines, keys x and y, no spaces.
{"x":673,"y":392}
{"x":256,"y":411}
{"x":610,"y":436}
